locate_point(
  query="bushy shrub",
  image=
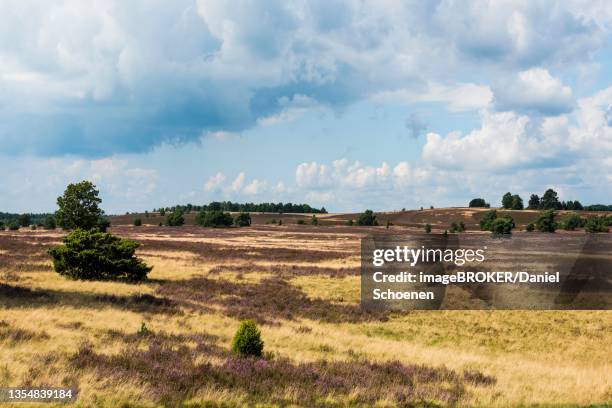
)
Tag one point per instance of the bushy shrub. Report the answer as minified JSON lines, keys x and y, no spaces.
{"x":175,"y":219}
{"x":247,"y":340}
{"x":214,"y":219}
{"x":94,"y":255}
{"x":530,"y":227}
{"x":367,"y":218}
{"x":597,"y":224}
{"x":457,"y":227}
{"x":243,"y":220}
{"x":428,"y":228}
{"x":137,"y":222}
{"x":502,"y":225}
{"x":350,"y":223}
{"x":314,"y":220}
{"x":300,"y":222}
{"x":570,"y":222}
{"x":25,"y":220}
{"x":13,"y":225}
{"x":546,"y":221}
{"x":486,"y":220}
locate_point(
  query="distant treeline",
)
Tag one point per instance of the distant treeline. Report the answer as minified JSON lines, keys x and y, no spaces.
{"x":23,"y":219}
{"x":548,"y":201}
{"x":247,"y":207}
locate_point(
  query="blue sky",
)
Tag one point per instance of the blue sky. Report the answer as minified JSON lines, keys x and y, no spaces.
{"x":346,"y":104}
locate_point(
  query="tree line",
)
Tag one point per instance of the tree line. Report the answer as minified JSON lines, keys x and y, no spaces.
{"x":548,"y":201}
{"x":245,"y":207}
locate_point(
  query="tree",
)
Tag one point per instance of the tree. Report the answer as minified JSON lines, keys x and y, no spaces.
{"x":550,"y":200}
{"x":78,"y":207}
{"x":25,"y":220}
{"x":546,"y":221}
{"x":13,"y":225}
{"x":49,"y":222}
{"x":314,"y":220}
{"x":367,"y":218}
{"x":486,"y":220}
{"x":428,"y":228}
{"x":534,"y":202}
{"x":530,"y":227}
{"x":517,"y":202}
{"x":478,"y":203}
{"x":162,"y":212}
{"x":507,"y":201}
{"x":247,"y":340}
{"x":175,"y":219}
{"x":137,"y":222}
{"x":243,"y":220}
{"x":94,"y":255}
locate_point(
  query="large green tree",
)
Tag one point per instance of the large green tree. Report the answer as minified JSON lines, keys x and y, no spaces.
{"x":550,"y":200}
{"x":78,"y":207}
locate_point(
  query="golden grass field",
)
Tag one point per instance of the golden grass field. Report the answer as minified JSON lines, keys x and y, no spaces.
{"x":301,"y":284}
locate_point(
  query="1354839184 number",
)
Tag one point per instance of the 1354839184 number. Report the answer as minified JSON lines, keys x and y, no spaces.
{"x":37,"y":394}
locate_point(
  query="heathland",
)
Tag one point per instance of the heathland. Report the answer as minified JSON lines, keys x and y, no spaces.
{"x":166,"y":341}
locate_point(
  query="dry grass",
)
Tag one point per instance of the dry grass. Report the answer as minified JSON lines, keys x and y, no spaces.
{"x":326,"y":351}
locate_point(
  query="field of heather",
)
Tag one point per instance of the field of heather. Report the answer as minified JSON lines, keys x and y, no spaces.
{"x":166,"y":342}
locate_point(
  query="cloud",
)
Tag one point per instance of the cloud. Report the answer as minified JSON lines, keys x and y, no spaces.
{"x":214,"y":182}
{"x":236,"y":185}
{"x":254,"y":187}
{"x":97,"y":80}
{"x":415,"y":125}
{"x":534,"y":91}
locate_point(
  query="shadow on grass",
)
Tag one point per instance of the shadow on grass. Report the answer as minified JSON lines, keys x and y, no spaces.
{"x":12,"y":296}
{"x":266,"y":301}
{"x":174,"y":372}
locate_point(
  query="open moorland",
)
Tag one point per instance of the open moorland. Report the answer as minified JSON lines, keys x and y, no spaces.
{"x":166,"y":341}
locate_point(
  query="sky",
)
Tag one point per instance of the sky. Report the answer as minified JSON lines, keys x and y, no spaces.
{"x":343,"y":104}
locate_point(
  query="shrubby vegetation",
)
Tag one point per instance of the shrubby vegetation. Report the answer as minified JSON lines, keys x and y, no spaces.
{"x":49,"y":222}
{"x":215,"y":219}
{"x":598,"y":224}
{"x":367,"y":218}
{"x":497,"y":225}
{"x":247,"y":340}
{"x":457,"y":227}
{"x":243,"y":220}
{"x":486,"y":220}
{"x":512,"y":201}
{"x":428,"y":228}
{"x":570,"y":222}
{"x":175,"y":218}
{"x":546,"y":221}
{"x":94,"y":255}
{"x":314,"y":220}
{"x":137,"y":222}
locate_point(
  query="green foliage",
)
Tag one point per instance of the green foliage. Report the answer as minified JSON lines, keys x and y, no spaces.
{"x":103,"y":224}
{"x":502,"y":226}
{"x":214,"y":219}
{"x":350,"y":223}
{"x":314,"y":220}
{"x":300,"y":222}
{"x":517,"y":202}
{"x":570,"y":222}
{"x":175,"y":219}
{"x":13,"y":225}
{"x":247,"y":340}
{"x":243,"y":220}
{"x":25,"y":220}
{"x":534,"y":202}
{"x":78,"y":207}
{"x":428,"y":228}
{"x":550,"y":200}
{"x":162,"y":212}
{"x":530,"y":227}
{"x":94,"y":255}
{"x":546,"y":221}
{"x":137,"y":222}
{"x":280,"y":222}
{"x":477,"y":203}
{"x":367,"y":218}
{"x":457,"y":227}
{"x":1,"y":225}
{"x":388,"y":224}
{"x":144,"y":331}
{"x":486,"y":220}
{"x":49,"y":222}
{"x":507,"y":201}
{"x":597,"y":224}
